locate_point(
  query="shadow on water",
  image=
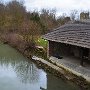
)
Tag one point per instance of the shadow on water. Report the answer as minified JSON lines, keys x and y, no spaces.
{"x":19,"y":73}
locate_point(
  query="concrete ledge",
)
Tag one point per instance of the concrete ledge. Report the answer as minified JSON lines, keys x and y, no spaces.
{"x":63,"y":72}
{"x":60,"y":64}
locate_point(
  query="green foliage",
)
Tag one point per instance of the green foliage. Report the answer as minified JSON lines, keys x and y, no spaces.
{"x":42,"y":42}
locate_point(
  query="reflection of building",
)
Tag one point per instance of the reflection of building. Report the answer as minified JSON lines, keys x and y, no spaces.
{"x":54,"y":83}
{"x":42,"y":88}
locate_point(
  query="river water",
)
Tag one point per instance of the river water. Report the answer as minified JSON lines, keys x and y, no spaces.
{"x":19,"y":73}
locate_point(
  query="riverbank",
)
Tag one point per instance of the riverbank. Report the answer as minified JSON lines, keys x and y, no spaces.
{"x":26,"y":48}
{"x":17,"y":42}
{"x":20,"y":45}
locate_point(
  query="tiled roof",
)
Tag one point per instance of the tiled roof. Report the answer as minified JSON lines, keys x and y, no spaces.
{"x":77,"y":33}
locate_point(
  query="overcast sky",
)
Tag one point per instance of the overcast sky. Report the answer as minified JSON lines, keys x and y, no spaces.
{"x":62,"y":6}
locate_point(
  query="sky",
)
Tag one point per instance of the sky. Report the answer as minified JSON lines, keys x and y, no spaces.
{"x":61,"y":6}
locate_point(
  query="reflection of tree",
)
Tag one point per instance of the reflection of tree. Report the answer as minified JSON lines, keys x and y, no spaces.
{"x":27,"y":72}
{"x":9,"y":56}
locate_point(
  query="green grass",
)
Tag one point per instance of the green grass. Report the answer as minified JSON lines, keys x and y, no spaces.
{"x":39,"y":41}
{"x":42,"y":42}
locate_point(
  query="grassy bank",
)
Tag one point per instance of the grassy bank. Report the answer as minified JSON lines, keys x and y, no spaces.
{"x":29,"y":48}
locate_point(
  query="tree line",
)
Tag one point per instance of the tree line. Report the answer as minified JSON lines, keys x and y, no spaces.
{"x":14,"y":18}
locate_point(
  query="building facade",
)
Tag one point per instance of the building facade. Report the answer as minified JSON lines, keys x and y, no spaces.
{"x":71,"y":39}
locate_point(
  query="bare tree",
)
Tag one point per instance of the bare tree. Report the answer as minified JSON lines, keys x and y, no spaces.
{"x":73,"y":14}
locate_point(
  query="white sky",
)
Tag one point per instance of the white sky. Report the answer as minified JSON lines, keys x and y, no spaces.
{"x":62,"y":6}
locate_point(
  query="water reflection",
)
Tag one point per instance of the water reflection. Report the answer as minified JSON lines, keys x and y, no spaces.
{"x":19,"y":73}
{"x":27,"y":72}
{"x":23,"y":71}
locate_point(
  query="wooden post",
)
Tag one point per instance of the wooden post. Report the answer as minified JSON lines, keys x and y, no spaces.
{"x":48,"y":50}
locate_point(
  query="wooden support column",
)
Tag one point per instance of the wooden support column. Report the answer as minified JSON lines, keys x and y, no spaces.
{"x":48,"y":50}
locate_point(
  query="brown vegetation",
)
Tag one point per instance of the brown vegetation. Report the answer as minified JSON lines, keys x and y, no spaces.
{"x":21,"y":28}
{"x":18,"y":27}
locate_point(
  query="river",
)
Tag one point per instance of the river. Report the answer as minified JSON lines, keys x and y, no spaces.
{"x":19,"y":73}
